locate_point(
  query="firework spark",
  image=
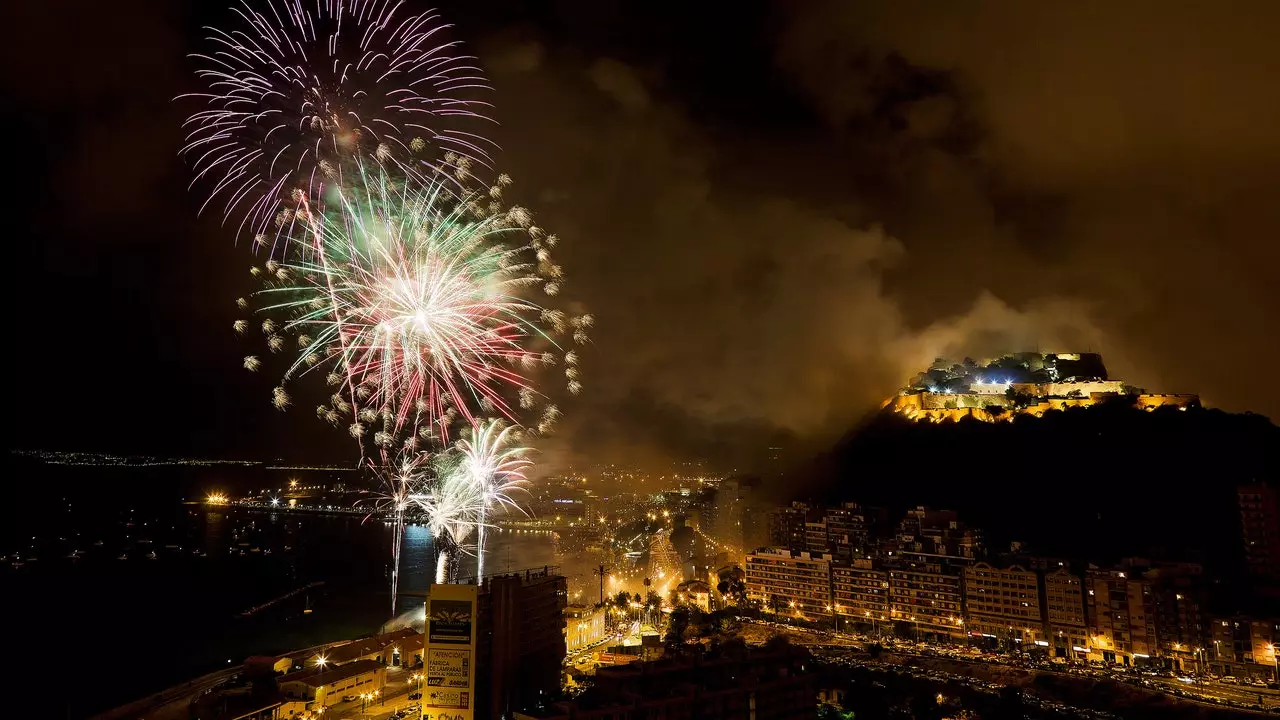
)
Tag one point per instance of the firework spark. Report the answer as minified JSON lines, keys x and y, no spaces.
{"x":296,"y":90}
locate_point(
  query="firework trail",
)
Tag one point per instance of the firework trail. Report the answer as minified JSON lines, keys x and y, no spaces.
{"x":298,"y":89}
{"x":494,"y":464}
{"x":421,"y":304}
{"x":399,"y":481}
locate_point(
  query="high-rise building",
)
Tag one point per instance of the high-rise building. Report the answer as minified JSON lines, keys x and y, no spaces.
{"x":790,"y":582}
{"x":925,"y":593}
{"x":584,"y":625}
{"x":1244,"y":646}
{"x":815,"y":537}
{"x":520,"y":641}
{"x":740,"y":521}
{"x":1260,"y":525}
{"x":1121,"y":611}
{"x":1065,"y":627}
{"x":787,"y":526}
{"x":860,"y":594}
{"x":846,"y":531}
{"x":937,"y":532}
{"x":1004,"y":604}
{"x":841,"y":531}
{"x":1180,"y":596}
{"x":1264,"y":633}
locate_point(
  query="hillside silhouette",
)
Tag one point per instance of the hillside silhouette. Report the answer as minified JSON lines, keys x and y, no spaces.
{"x":1094,"y":483}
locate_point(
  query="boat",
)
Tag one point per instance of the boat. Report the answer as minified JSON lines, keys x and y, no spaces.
{"x":98,"y":544}
{"x":75,"y":555}
{"x":307,"y":610}
{"x":123,"y":556}
{"x":151,"y":555}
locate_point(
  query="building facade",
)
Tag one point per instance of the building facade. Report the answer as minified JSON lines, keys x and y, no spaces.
{"x":328,"y":687}
{"x":1260,"y":527}
{"x":925,"y":594}
{"x":1244,"y":646}
{"x":787,"y":526}
{"x":584,"y":626}
{"x":1003,"y":604}
{"x":1122,"y":613}
{"x":521,"y":640}
{"x":1065,"y":627}
{"x":788,"y":582}
{"x":860,"y":594}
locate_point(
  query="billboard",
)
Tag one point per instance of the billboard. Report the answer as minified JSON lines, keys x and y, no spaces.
{"x":449,"y":693}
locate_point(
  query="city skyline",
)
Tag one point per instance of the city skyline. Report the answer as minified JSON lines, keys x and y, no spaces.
{"x":604,"y":360}
{"x":869,"y":144}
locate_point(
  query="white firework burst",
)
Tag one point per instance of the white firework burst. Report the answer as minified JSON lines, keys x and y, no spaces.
{"x":297,"y":89}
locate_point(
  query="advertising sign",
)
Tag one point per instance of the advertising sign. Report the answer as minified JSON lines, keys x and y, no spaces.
{"x":450,"y":653}
{"x":449,"y":668}
{"x":450,"y":622}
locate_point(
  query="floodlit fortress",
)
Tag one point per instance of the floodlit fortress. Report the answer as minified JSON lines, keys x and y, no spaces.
{"x":1027,"y":383}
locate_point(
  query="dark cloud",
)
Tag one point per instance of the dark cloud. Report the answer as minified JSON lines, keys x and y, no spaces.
{"x":1144,"y":136}
{"x":777,"y":214}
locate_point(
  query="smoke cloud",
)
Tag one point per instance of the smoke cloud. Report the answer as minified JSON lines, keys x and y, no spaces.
{"x":748,"y":299}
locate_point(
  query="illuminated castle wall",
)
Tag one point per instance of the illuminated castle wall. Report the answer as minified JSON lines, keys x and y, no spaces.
{"x":1025,"y":383}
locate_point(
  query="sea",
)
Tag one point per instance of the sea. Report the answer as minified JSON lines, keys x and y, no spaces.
{"x":120,"y":581}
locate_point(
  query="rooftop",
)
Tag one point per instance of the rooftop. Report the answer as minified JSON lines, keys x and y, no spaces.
{"x":319,"y":676}
{"x":378,"y":643}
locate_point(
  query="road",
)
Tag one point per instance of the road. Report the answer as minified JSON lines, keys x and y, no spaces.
{"x":1233,"y":693}
{"x":1227,"y":693}
{"x":395,"y":695}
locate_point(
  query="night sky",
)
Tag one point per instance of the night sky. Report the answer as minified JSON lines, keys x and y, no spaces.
{"x":776,"y":212}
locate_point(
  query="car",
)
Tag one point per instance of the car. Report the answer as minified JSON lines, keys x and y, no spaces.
{"x":415,"y":696}
{"x":349,"y":698}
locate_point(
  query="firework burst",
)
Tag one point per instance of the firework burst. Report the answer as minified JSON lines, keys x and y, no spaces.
{"x":298,"y":89}
{"x":452,"y":506}
{"x":491,"y":460}
{"x":422,"y":312}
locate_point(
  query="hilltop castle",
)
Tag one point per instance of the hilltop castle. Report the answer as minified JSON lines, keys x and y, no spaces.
{"x":1021,"y":383}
